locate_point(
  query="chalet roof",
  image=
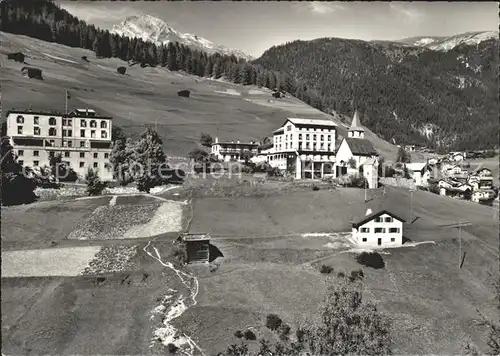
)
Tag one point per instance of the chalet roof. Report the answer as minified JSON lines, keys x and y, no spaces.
{"x":278,"y":130}
{"x":480,"y":168}
{"x":235,"y":143}
{"x":312,"y":122}
{"x":356,"y":123}
{"x":360,"y":146}
{"x":266,"y":146}
{"x":374,"y":215}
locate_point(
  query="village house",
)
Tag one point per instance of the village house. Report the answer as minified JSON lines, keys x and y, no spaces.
{"x":381,"y":228}
{"x":232,"y":151}
{"x":482,"y":178}
{"x":305,"y":148}
{"x":263,"y":152}
{"x":82,"y":137}
{"x":457,"y":156}
{"x":420,"y":173}
{"x":451,"y":169}
{"x":354,"y":151}
{"x":458,"y":191}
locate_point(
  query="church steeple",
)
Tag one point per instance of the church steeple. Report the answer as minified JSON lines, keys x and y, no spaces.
{"x":356,"y":130}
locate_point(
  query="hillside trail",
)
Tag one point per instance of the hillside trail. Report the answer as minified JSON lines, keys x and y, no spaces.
{"x":168,"y":334}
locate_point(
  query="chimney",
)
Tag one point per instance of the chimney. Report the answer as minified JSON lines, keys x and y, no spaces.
{"x":216,"y":140}
{"x":86,"y":112}
{"x":368,"y":211}
{"x":238,"y":141}
{"x":232,"y":141}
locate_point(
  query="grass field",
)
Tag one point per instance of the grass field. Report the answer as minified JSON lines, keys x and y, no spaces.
{"x":269,"y":265}
{"x":148,"y":95}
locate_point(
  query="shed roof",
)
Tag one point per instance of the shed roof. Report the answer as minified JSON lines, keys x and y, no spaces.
{"x":360,"y":146}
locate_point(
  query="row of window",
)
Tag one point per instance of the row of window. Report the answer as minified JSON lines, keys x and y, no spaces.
{"x":37,"y":163}
{"x":380,"y":230}
{"x":66,"y":154}
{"x":65,"y":122}
{"x":289,"y":128}
{"x":392,"y":239}
{"x":307,"y":136}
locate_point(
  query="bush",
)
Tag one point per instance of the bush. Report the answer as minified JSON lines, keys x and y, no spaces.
{"x":356,"y":275}
{"x":121,"y":70}
{"x":250,"y":335}
{"x":300,"y":334}
{"x":315,"y":187}
{"x":273,"y":322}
{"x":94,"y":184}
{"x":238,"y":334}
{"x":371,"y":259}
{"x":172,"y":348}
{"x":341,"y":275}
{"x":85,"y":58}
{"x":326,"y":269}
{"x":284,"y":332}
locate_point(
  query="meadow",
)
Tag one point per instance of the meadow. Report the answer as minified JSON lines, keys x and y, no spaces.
{"x":148,"y":96}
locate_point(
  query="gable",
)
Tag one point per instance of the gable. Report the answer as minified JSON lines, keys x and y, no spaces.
{"x":373,"y":216}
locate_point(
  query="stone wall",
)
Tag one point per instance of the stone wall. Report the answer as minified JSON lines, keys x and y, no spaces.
{"x":398,"y":182}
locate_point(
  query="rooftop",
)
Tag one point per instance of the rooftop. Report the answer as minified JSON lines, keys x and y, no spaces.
{"x":416,"y":166}
{"x":356,"y":123}
{"x":195,"y":237}
{"x":360,"y":146}
{"x":312,"y":122}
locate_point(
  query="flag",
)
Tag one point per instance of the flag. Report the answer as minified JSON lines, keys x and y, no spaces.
{"x":67,"y":95}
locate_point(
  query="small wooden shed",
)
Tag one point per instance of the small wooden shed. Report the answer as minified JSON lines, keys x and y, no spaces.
{"x":184,"y":93}
{"x":17,"y":56}
{"x":197,"y":247}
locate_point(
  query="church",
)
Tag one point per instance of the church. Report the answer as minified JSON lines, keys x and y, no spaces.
{"x":356,"y":151}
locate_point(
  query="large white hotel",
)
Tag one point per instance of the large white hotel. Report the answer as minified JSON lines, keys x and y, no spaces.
{"x":82,"y":137}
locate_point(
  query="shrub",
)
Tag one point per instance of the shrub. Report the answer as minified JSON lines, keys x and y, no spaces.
{"x":172,"y":348}
{"x":315,"y":187}
{"x":371,"y":259}
{"x":238,"y":334}
{"x":326,"y":269}
{"x":341,"y":275}
{"x":250,"y":335}
{"x":300,"y":334}
{"x":94,"y":184}
{"x":85,"y":58}
{"x":121,"y":70}
{"x":273,"y":322}
{"x":356,"y":275}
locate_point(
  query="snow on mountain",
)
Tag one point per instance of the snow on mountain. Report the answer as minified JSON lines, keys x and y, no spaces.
{"x":152,"y":29}
{"x":447,"y":43}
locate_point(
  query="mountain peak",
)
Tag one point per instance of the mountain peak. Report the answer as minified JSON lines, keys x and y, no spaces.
{"x":152,"y":29}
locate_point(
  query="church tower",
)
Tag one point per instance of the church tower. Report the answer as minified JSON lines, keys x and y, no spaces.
{"x":356,"y":131}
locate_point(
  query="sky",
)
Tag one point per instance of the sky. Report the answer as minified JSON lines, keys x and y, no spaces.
{"x":255,"y":26}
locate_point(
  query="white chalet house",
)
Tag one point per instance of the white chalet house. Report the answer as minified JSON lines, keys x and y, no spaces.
{"x":232,"y":151}
{"x":305,"y":147}
{"x":381,"y":228}
{"x":355,"y":147}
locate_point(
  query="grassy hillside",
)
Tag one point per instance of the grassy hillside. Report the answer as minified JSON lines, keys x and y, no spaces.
{"x":148,"y":96}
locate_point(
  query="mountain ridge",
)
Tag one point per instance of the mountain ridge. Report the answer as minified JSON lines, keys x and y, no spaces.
{"x":445,"y":99}
{"x":446,"y":43}
{"x":152,"y":29}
